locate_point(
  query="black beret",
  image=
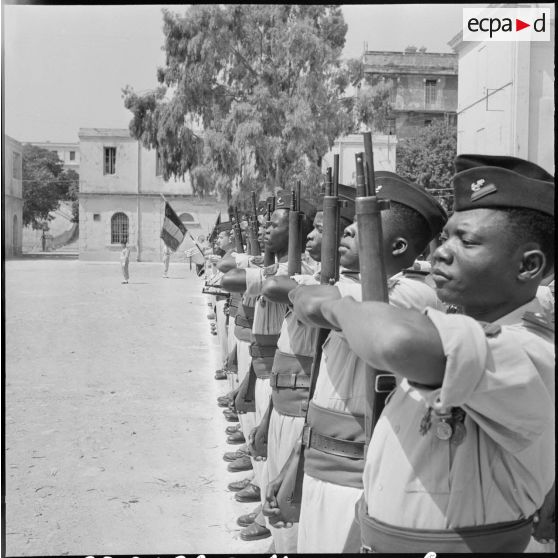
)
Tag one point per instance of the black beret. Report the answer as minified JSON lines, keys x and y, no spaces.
{"x":497,"y":181}
{"x":347,"y":195}
{"x":393,"y":187}
{"x":223,"y":227}
{"x":283,"y":201}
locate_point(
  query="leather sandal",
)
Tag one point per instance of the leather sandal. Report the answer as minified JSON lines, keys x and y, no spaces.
{"x":236,"y":438}
{"x":234,"y":455}
{"x":220,"y":375}
{"x":240,"y":464}
{"x":255,"y":532}
{"x":239,"y":485}
{"x":232,"y":429}
{"x":247,"y":519}
{"x":231,"y":416}
{"x":249,"y":494}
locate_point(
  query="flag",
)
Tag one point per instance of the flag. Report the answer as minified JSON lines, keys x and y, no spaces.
{"x":213,"y":234}
{"x":173,"y":229}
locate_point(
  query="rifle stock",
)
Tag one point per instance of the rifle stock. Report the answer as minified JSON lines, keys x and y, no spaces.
{"x":372,"y":266}
{"x":238,"y":245}
{"x":289,"y":496}
{"x":269,"y":256}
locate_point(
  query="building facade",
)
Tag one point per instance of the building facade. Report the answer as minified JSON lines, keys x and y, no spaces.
{"x":13,"y":196}
{"x":423,"y":87}
{"x":347,"y":147}
{"x":120,"y":197}
{"x":506,"y":99}
{"x":68,"y":153}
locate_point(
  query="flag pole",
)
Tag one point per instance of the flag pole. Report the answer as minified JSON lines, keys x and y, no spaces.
{"x":164,"y":199}
{"x":197,"y":245}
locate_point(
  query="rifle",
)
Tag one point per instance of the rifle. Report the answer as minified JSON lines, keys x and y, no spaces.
{"x":253,"y":244}
{"x":295,"y":233}
{"x":238,"y":246}
{"x":372,"y":266}
{"x":269,"y":257}
{"x":289,"y":495}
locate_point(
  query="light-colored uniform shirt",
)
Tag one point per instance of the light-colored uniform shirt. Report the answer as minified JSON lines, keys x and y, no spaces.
{"x":505,"y":465}
{"x":341,"y":384}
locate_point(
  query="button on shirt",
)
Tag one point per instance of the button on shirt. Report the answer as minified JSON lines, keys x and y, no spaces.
{"x":504,"y":381}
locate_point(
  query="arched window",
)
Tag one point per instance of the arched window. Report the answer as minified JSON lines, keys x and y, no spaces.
{"x":119,"y":228}
{"x":189,"y":220}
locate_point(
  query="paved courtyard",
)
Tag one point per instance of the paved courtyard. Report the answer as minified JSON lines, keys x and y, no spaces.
{"x":114,"y":441}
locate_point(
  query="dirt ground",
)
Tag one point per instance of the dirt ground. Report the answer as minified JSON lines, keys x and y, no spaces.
{"x":114,"y":441}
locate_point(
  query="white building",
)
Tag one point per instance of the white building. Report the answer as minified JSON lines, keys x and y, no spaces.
{"x":120,"y":197}
{"x":13,"y":197}
{"x":506,"y":99}
{"x":347,"y":147}
{"x":68,"y":153}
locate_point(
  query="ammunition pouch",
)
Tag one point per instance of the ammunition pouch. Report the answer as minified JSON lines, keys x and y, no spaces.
{"x":245,"y":400}
{"x":290,"y":382}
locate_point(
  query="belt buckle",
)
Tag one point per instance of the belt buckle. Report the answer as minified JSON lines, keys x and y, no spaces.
{"x":306,"y":436}
{"x":378,"y":381}
{"x":293,"y":380}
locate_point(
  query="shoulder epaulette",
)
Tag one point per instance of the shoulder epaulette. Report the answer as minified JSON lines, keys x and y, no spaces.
{"x":416,"y":273}
{"x":539,"y":320}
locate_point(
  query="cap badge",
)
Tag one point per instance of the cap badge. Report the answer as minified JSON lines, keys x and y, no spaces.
{"x":379,"y":187}
{"x":476,"y":186}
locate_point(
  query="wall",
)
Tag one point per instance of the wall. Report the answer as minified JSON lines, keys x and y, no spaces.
{"x":384,"y":155}
{"x":13,"y":202}
{"x":500,"y":111}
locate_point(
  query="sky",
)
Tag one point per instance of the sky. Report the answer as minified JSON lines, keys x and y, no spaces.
{"x":65,"y":66}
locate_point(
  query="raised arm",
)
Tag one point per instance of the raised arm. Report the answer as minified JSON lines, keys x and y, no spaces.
{"x":277,"y":288}
{"x":226,"y":264}
{"x":234,"y":281}
{"x":404,"y":342}
{"x":307,"y":303}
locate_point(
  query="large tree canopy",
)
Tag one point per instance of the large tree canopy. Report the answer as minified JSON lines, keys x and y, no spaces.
{"x":45,"y":185}
{"x":263,"y":82}
{"x":427,"y":159}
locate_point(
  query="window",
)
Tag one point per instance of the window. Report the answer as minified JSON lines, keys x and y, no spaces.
{"x":16,"y":165}
{"x":430,"y":92}
{"x":72,"y":155}
{"x":96,"y":216}
{"x":158,"y":165}
{"x":110,"y":160}
{"x":427,"y":122}
{"x":119,"y":228}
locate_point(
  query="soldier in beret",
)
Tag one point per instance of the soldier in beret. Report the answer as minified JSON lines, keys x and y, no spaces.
{"x":267,"y":321}
{"x":334,"y":452}
{"x":462,"y":458}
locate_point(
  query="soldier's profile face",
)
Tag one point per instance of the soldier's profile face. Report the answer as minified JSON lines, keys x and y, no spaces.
{"x":277,"y":232}
{"x":348,"y":248}
{"x":223,"y":240}
{"x":314,"y":238}
{"x":477,"y":264}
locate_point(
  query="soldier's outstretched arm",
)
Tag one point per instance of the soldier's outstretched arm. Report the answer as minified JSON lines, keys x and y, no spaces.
{"x":226,"y":264}
{"x":307,"y":303}
{"x":234,"y":281}
{"x":277,"y":288}
{"x":404,"y":342}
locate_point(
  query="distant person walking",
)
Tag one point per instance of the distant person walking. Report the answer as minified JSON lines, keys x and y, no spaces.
{"x":124,"y":261}
{"x":166,"y":260}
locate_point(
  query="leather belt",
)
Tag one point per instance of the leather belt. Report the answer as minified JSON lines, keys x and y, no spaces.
{"x":385,"y":383}
{"x":334,"y":446}
{"x":292,"y":381}
{"x":242,"y":321}
{"x":262,"y":351}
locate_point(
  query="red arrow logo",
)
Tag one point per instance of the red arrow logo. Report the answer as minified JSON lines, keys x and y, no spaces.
{"x":519,"y":25}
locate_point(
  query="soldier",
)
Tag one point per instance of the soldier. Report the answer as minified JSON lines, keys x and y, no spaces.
{"x":268,"y":318}
{"x":334,"y":435}
{"x":291,"y":367}
{"x":463,"y":455}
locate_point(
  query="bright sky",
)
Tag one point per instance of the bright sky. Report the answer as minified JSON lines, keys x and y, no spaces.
{"x":65,"y":66}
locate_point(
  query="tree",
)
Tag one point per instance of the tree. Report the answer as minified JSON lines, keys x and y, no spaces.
{"x":263,"y":82}
{"x":45,"y":184}
{"x":427,"y":159}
